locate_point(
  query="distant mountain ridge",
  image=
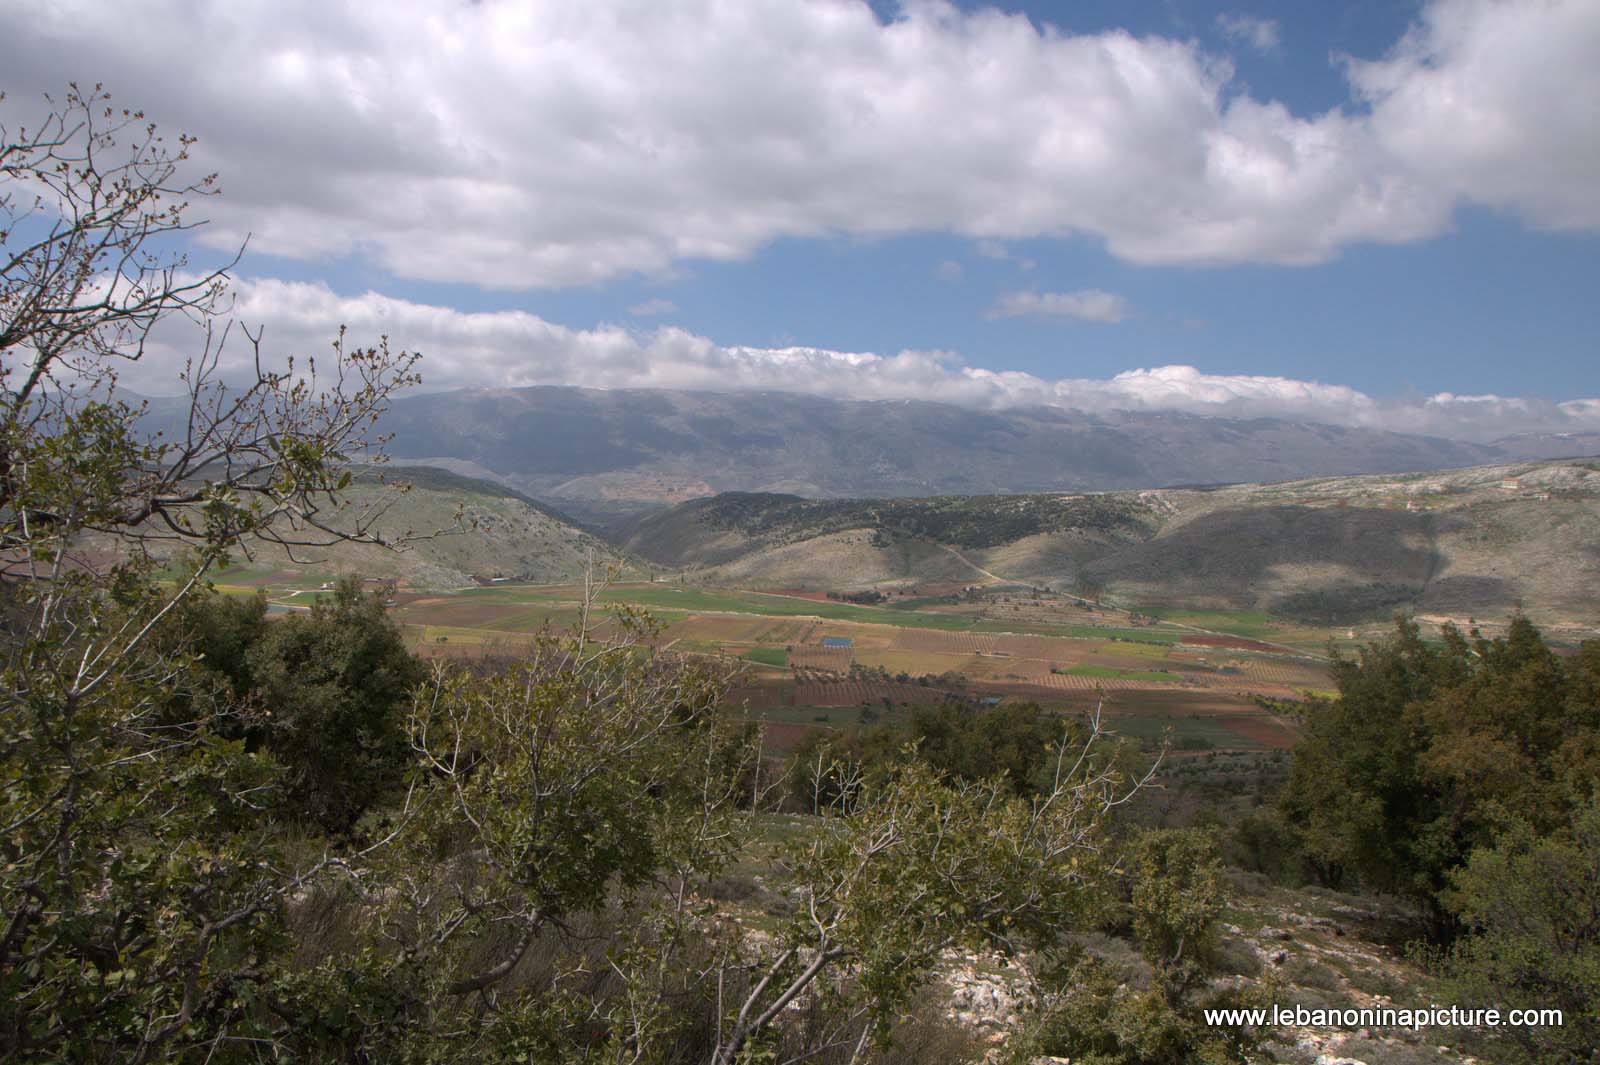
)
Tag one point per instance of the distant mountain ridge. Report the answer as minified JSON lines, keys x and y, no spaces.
{"x":600,"y":453}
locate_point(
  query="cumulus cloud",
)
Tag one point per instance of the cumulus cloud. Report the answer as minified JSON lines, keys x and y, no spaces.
{"x":653,"y":307}
{"x":1494,"y":103}
{"x":548,"y":143}
{"x":505,"y":349}
{"x":1259,"y":33}
{"x":1087,"y":305}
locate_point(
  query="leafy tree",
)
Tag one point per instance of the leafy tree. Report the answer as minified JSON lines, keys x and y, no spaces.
{"x":555,"y":795}
{"x":138,"y":904}
{"x":1016,"y":742}
{"x":1177,"y":898}
{"x":584,"y":796}
{"x":1429,"y":751}
{"x":333,"y":685}
{"x":1356,"y":790}
{"x":1532,"y":905}
{"x":1514,"y":741}
{"x":324,"y":694}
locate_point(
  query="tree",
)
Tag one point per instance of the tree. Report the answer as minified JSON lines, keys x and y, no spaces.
{"x":324,"y":693}
{"x":567,"y":807}
{"x":1430,"y":751}
{"x":137,"y":903}
{"x":1356,"y":792}
{"x":1532,"y":906}
{"x":1016,"y":741}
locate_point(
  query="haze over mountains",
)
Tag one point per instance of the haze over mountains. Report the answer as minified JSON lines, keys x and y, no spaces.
{"x":607,"y":455}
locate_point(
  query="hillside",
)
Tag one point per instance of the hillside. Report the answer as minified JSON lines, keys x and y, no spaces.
{"x":724,"y":527}
{"x":456,"y":528}
{"x":607,"y":455}
{"x":1329,"y":551}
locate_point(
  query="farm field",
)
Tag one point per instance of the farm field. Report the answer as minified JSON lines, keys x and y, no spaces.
{"x":812,"y":663}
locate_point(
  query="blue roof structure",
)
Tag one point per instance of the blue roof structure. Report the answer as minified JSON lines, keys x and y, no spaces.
{"x":837,"y":641}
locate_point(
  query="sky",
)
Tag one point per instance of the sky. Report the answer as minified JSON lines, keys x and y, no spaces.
{"x":1372,"y":213}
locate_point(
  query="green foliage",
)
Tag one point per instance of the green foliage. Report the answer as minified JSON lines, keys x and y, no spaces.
{"x":1014,"y":742}
{"x":1428,"y":748}
{"x":1262,"y":841}
{"x":768,"y":656}
{"x":965,"y":521}
{"x":326,"y":692}
{"x":1177,"y":897}
{"x":1532,"y":904}
{"x":913,"y":864}
{"x":333,"y":685}
{"x":1095,"y":1014}
{"x":141,"y":903}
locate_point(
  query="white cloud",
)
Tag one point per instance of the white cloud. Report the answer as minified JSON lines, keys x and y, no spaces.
{"x":549,"y":143}
{"x":1494,"y":103}
{"x":652,"y":307}
{"x":948,"y":270}
{"x":513,"y":349}
{"x":1259,"y":33}
{"x":994,"y":249}
{"x":1088,"y":305}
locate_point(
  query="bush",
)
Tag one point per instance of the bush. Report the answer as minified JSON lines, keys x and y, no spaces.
{"x":327,"y":692}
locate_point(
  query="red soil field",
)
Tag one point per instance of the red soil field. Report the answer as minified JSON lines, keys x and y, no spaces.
{"x":1238,"y":642}
{"x":855,"y":692}
{"x":783,"y":736}
{"x":1262,"y":728}
{"x":952,"y":643}
{"x":1178,"y":701}
{"x":755,"y":696}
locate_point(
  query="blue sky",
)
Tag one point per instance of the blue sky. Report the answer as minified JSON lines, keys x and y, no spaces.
{"x":1353,"y":211}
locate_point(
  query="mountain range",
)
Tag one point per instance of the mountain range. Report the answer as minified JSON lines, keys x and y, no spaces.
{"x":606,"y":456}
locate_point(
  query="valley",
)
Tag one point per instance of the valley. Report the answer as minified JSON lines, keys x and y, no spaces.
{"x":1194,"y":617}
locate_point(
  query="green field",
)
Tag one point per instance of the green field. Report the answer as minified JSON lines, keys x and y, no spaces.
{"x":767,"y":656}
{"x":1113,"y":673}
{"x":1251,"y":624}
{"x":1186,"y":733}
{"x":664,"y":598}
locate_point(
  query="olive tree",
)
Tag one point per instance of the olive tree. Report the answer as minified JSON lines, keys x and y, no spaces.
{"x":137,"y":902}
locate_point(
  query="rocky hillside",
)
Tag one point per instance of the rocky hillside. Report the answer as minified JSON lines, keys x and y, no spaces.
{"x":1331,"y":551}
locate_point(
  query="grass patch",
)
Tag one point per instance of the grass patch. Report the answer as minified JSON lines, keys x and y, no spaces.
{"x":767,"y":656}
{"x":1113,"y":673}
{"x":1188,"y":733}
{"x":1251,"y":624}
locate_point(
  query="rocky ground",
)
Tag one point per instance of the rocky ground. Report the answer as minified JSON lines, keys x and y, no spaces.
{"x":1321,"y":949}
